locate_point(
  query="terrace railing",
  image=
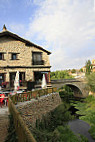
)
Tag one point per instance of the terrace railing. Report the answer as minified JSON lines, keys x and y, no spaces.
{"x":27,"y":96}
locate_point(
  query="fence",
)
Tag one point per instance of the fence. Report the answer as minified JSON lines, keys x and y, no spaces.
{"x":24,"y":134}
{"x":27,"y":96}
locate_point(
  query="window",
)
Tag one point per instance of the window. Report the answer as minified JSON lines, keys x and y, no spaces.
{"x":1,"y":56}
{"x":14,"y":56}
{"x":37,"y":58}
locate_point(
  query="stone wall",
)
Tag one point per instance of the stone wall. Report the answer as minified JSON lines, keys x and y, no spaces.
{"x":24,"y":56}
{"x":35,"y":109}
{"x":8,"y":45}
{"x":28,"y":72}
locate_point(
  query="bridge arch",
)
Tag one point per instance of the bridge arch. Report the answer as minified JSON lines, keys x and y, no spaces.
{"x":76,"y":90}
{"x":79,"y":87}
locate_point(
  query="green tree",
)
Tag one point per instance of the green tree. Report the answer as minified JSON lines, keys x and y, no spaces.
{"x":66,"y":93}
{"x":63,"y":74}
{"x":88,"y":66}
{"x":91,"y":81}
{"x":73,"y":71}
{"x":81,"y":70}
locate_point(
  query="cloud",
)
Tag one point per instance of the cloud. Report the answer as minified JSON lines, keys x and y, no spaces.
{"x":68,"y":29}
{"x":17,"y":28}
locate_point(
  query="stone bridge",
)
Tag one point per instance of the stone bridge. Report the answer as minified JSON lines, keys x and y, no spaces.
{"x":79,"y":87}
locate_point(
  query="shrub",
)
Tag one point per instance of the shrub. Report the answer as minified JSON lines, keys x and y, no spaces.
{"x":92,"y":131}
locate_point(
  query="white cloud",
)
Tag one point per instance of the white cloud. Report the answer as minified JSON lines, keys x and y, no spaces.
{"x":67,"y":26}
{"x":17,"y":28}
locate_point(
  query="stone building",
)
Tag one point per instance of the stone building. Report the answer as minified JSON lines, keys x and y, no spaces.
{"x":19,"y":54}
{"x":93,"y":65}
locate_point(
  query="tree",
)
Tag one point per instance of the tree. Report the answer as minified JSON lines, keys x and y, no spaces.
{"x":73,"y":71}
{"x":81,"y":70}
{"x":88,"y":66}
{"x":91,"y":81}
{"x":66,"y":93}
{"x":63,"y":74}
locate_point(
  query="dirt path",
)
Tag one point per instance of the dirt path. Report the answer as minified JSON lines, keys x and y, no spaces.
{"x":3,"y":123}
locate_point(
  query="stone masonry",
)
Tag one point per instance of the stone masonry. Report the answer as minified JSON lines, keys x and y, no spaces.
{"x":31,"y":111}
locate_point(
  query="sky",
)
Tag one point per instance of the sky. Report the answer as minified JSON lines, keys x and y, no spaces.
{"x":64,"y":27}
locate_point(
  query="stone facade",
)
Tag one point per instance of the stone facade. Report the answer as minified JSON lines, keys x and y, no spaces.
{"x":35,"y":109}
{"x":10,"y":44}
{"x":24,"y":53}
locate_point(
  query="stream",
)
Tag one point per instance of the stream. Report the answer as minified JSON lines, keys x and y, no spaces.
{"x":79,"y":126}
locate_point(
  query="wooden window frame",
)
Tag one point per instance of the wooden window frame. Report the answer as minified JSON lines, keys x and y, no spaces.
{"x":37,"y":62}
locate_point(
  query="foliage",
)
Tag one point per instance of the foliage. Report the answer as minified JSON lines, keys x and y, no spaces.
{"x":60,"y":134}
{"x":53,"y":126}
{"x":12,"y":137}
{"x":87,"y":109}
{"x":81,"y":70}
{"x":66,"y":134}
{"x":60,"y":75}
{"x":83,"y":139}
{"x":58,"y":116}
{"x":88,"y":66}
{"x":48,"y":128}
{"x":91,"y":81}
{"x":92,"y":131}
{"x":73,"y":71}
{"x":66,"y":93}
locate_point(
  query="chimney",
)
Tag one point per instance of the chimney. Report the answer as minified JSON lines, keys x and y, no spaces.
{"x":4,"y":28}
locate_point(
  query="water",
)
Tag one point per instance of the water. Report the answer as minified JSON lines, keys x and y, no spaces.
{"x":80,"y":127}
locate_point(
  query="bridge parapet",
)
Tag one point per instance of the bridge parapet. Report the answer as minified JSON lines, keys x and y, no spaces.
{"x":64,"y":80}
{"x":76,"y":85}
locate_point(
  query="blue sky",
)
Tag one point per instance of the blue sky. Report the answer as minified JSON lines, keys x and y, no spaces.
{"x":64,"y":27}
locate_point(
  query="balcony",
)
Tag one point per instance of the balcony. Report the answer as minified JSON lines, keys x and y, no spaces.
{"x":38,"y":62}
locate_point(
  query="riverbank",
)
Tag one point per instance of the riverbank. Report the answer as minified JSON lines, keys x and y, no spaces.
{"x":87,"y":110}
{"x":54,"y":126}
